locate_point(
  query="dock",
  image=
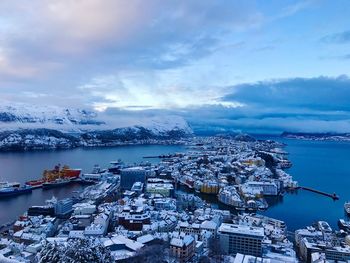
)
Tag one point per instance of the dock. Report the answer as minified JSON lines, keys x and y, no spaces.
{"x":334,"y":196}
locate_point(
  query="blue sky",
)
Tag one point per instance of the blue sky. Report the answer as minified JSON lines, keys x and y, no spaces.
{"x":239,"y":65}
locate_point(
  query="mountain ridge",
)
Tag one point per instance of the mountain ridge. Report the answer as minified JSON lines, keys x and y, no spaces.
{"x":35,"y":128}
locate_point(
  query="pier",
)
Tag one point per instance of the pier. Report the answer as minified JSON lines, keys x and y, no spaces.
{"x":334,"y":196}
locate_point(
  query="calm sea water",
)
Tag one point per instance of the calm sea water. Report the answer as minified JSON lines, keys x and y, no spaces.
{"x":24,"y":166}
{"x":321,"y":165}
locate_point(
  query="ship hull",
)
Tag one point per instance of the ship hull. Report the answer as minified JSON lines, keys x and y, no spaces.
{"x":35,"y":183}
{"x":15,"y":192}
{"x":55,"y":184}
{"x":71,"y":173}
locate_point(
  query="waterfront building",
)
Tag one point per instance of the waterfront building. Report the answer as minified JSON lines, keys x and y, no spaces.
{"x":241,"y":239}
{"x":209,"y":187}
{"x":64,"y":207}
{"x":131,"y":175}
{"x":229,"y":196}
{"x":332,"y":251}
{"x":267,"y":188}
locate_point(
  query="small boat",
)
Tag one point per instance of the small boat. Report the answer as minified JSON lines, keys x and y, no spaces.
{"x":10,"y":190}
{"x":347,"y":207}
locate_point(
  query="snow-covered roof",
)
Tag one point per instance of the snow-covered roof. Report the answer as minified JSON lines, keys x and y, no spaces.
{"x":145,"y":239}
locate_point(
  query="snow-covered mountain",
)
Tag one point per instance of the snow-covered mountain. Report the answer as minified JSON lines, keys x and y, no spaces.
{"x":22,"y":116}
{"x":36,"y":127}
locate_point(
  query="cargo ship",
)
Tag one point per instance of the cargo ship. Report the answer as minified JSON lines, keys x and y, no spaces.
{"x":8,"y":189}
{"x":55,"y":177}
{"x":65,"y":172}
{"x":56,"y":183}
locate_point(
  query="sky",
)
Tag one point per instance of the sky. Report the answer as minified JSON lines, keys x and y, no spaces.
{"x":257,"y":66}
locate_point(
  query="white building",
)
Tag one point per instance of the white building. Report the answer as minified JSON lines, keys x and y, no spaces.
{"x":241,"y":239}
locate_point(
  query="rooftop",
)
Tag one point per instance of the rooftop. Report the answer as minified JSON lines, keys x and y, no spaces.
{"x":241,"y":229}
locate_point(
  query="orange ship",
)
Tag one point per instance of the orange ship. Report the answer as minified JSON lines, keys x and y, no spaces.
{"x":65,"y":173}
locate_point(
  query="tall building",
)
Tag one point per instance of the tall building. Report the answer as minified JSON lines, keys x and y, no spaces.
{"x":129,"y":176}
{"x":183,"y":248}
{"x":241,"y":239}
{"x":64,"y":207}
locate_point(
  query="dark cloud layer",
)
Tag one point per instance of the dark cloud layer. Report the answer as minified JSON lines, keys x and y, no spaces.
{"x":302,"y":104}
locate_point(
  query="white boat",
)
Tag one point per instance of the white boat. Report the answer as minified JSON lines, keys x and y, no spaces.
{"x":97,"y":175}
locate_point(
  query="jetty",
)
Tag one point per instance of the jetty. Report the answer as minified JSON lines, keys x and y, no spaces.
{"x":334,"y":196}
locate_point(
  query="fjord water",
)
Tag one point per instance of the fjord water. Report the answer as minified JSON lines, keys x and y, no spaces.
{"x":24,"y":166}
{"x":324,"y":166}
{"x":321,"y":165}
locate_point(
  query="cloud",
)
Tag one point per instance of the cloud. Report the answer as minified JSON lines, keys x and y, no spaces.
{"x":140,"y":90}
{"x":144,"y":31}
{"x":178,"y":56}
{"x":292,"y":9}
{"x":337,"y":38}
{"x":315,"y":93}
{"x":298,"y":104}
{"x":65,"y":45}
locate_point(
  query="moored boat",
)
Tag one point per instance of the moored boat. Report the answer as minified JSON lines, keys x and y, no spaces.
{"x":56,"y":183}
{"x":70,"y":173}
{"x":7,"y":184}
{"x":65,"y":173}
{"x":35,"y":183}
{"x":10,"y":190}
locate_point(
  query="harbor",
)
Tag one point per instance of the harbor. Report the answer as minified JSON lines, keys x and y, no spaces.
{"x":201,"y":182}
{"x":214,"y":176}
{"x":334,"y":196}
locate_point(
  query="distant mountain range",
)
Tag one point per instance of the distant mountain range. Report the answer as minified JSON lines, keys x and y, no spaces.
{"x":317,"y":136}
{"x":25,"y":127}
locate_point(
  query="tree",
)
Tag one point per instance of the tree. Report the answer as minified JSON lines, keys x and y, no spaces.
{"x":75,"y":250}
